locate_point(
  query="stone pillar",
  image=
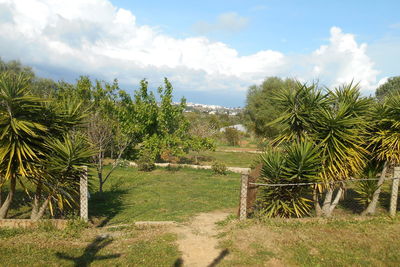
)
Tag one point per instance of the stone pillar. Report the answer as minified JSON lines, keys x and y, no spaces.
{"x":243,"y":197}
{"x":84,"y":211}
{"x":395,"y":191}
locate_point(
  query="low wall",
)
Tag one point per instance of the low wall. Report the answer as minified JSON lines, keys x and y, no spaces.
{"x":26,"y":223}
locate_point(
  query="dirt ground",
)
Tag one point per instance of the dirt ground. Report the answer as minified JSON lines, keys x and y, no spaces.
{"x":197,"y":240}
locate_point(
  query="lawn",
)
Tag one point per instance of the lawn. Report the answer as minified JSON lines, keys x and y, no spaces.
{"x":313,"y":242}
{"x":162,"y":195}
{"x":77,"y":246}
{"x":231,"y":159}
{"x":129,"y":196}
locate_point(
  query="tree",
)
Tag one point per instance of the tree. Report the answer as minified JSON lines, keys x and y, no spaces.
{"x":391,"y":86}
{"x":232,"y":136}
{"x":22,"y":132}
{"x":62,"y":167}
{"x":298,"y":162}
{"x":384,"y":141}
{"x":162,"y":128}
{"x":336,"y":123}
{"x":261,"y":107}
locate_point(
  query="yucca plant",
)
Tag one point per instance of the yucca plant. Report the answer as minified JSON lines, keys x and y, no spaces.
{"x":367,"y":188}
{"x":298,"y":162}
{"x":333,"y":121}
{"x":384,"y":140}
{"x":22,"y":131}
{"x":62,"y":167}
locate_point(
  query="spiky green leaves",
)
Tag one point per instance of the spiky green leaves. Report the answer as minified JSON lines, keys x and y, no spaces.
{"x":296,"y":163}
{"x":21,"y":126}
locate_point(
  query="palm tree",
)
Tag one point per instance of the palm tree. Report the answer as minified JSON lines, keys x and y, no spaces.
{"x":21,"y":132}
{"x":384,"y":141}
{"x":62,"y":168}
{"x":335,"y":122}
{"x":299,"y":162}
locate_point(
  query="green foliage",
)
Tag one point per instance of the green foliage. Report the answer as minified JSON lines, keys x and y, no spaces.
{"x":335,"y":121}
{"x":219,"y":168}
{"x":232,"y":136}
{"x":22,"y":126}
{"x":261,"y":107}
{"x":384,"y":134}
{"x":297,"y":163}
{"x":390,"y":87}
{"x":65,"y":163}
{"x":146,"y":161}
{"x":367,"y":188}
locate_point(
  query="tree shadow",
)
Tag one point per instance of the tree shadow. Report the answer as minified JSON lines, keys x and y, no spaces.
{"x":106,"y":205}
{"x":384,"y":200}
{"x":220,"y":257}
{"x":89,"y":254}
{"x":20,"y":206}
{"x":350,"y":202}
{"x":215,"y":262}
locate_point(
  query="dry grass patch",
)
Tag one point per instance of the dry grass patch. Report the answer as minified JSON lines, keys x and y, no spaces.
{"x":336,"y":242}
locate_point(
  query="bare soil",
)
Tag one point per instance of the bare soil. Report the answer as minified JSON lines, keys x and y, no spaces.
{"x":197,"y":239}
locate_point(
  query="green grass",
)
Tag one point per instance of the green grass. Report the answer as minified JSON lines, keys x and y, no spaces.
{"x":231,"y":159}
{"x":94,"y":247}
{"x":160,"y":195}
{"x":336,"y":242}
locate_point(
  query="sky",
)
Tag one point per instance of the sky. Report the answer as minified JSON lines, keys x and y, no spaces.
{"x":211,"y":51}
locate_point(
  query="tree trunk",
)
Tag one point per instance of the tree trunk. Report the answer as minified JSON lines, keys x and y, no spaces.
{"x":42,"y":210}
{"x":327,"y":201}
{"x":36,"y":200}
{"x":317,"y":206}
{"x":371,"y":208}
{"x":328,"y":206}
{"x":100,"y":172}
{"x":7,"y":203}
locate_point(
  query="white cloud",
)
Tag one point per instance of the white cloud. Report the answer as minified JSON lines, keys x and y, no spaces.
{"x":343,"y":60}
{"x":94,"y":37}
{"x":226,"y":22}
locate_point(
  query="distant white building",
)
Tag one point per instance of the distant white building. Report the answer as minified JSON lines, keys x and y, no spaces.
{"x":239,"y":127}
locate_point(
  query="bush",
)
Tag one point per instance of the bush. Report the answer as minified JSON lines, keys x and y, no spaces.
{"x":146,"y":161}
{"x":219,"y":168}
{"x":232,"y":136}
{"x":298,"y":163}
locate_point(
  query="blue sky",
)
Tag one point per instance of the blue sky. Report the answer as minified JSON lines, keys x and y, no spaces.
{"x":210,"y":50}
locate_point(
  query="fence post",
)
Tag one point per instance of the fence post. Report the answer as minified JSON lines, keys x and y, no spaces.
{"x":84,"y":196}
{"x":243,"y":196}
{"x":395,"y":191}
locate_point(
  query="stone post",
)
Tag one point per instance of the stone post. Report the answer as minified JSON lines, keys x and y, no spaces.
{"x":243,"y":196}
{"x":395,"y":191}
{"x":84,"y":196}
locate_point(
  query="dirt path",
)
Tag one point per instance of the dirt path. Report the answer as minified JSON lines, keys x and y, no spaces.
{"x":197,"y":240}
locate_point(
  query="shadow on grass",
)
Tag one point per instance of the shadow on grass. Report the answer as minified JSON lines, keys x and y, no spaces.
{"x":350,"y":202}
{"x":215,"y":262}
{"x":89,"y":254}
{"x":20,"y":206}
{"x":384,"y":200}
{"x":106,"y":205}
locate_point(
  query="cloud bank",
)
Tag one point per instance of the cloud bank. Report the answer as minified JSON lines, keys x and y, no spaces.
{"x":97,"y":38}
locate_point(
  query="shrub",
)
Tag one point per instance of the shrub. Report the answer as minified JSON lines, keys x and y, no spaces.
{"x":146,"y":161}
{"x":219,"y":168}
{"x":232,"y":136}
{"x":367,"y":188}
{"x":298,"y":163}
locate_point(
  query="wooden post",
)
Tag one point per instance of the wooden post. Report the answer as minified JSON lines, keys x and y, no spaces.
{"x":243,"y":197}
{"x":84,"y":196}
{"x":395,"y":191}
